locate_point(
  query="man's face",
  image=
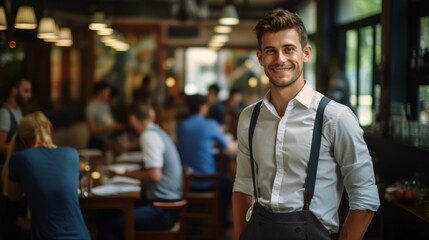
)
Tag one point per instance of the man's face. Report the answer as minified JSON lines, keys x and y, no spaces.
{"x":23,"y":93}
{"x":283,"y":57}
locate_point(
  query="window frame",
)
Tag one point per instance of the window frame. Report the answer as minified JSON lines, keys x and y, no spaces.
{"x":341,"y":30}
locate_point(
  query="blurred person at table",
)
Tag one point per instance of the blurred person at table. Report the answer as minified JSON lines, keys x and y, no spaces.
{"x":198,"y":139}
{"x":101,"y":123}
{"x":18,"y":93}
{"x":17,"y":96}
{"x":216,"y":107}
{"x":232,"y":109}
{"x":161,"y":178}
{"x":273,"y":198}
{"x":48,"y":175}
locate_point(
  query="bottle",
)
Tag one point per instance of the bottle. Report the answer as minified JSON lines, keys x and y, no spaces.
{"x":413,"y":61}
{"x":426,"y":60}
{"x":420,"y":61}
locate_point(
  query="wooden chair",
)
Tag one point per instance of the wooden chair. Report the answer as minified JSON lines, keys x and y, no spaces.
{"x":203,"y":216}
{"x":202,"y":212}
{"x":177,"y":232}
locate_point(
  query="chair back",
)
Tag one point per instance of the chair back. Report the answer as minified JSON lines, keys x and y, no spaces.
{"x":178,"y":231}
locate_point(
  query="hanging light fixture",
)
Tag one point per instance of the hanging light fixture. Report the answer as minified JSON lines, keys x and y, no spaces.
{"x":229,"y":15}
{"x":98,"y":21}
{"x":222,"y":29}
{"x":25,"y":18}
{"x":47,"y":28}
{"x":54,"y":37}
{"x":108,"y":30}
{"x":65,"y":38}
{"x":3,"y":21}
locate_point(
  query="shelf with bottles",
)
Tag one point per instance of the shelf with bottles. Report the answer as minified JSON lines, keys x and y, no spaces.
{"x":419,"y":66}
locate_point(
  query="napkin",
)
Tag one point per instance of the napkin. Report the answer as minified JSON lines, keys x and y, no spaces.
{"x":133,"y":156}
{"x":120,"y":168}
{"x":110,"y":189}
{"x":124,"y":180}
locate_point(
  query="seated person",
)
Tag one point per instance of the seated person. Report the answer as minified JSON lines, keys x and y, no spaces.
{"x":102,"y":125}
{"x":161,"y":178}
{"x":48,"y":175}
{"x":197,"y":138}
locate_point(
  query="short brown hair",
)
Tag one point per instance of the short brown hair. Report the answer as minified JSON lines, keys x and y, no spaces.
{"x":279,"y":19}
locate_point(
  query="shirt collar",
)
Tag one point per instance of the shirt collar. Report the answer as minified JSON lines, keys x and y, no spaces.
{"x":304,"y":97}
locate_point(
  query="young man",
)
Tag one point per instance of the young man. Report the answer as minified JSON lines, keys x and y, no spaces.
{"x":282,"y":142}
{"x":101,"y":123}
{"x":197,"y":138}
{"x":18,"y":95}
{"x":161,"y":177}
{"x":12,"y":214}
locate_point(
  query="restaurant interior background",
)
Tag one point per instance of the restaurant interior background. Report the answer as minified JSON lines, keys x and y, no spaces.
{"x":172,"y":43}
{"x":376,"y":49}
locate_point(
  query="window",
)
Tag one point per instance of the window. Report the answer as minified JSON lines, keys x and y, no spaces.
{"x":363,"y":50}
{"x":360,"y":25}
{"x":357,"y":9}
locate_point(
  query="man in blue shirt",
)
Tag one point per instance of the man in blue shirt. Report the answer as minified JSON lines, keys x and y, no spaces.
{"x":198,"y":139}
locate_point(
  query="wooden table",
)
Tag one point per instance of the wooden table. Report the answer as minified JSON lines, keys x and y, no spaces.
{"x":123,"y":201}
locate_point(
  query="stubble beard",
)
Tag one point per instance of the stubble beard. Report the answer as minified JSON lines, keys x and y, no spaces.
{"x":20,"y":100}
{"x":285,"y":84}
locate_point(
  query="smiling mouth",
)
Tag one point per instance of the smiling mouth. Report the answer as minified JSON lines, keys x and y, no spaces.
{"x":281,"y":69}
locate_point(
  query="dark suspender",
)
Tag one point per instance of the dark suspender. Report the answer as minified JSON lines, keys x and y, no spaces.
{"x":314,"y":153}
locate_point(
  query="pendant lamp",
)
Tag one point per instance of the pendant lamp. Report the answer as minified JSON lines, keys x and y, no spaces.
{"x":25,"y":18}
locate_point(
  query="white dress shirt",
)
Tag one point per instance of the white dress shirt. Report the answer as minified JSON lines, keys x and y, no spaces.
{"x":281,"y":149}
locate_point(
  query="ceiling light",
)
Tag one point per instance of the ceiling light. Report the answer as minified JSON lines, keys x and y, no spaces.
{"x":98,"y":21}
{"x":47,"y":28}
{"x":65,"y":38}
{"x":105,"y":31}
{"x":222,"y":29}
{"x":53,"y":37}
{"x":220,"y":38}
{"x":229,"y":15}
{"x":25,"y":18}
{"x":3,"y":21}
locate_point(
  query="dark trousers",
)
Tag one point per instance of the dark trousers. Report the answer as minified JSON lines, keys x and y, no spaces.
{"x":110,"y":222}
{"x":9,"y":213}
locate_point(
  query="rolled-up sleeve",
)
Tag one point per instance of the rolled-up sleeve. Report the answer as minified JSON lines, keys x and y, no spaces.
{"x":355,"y":163}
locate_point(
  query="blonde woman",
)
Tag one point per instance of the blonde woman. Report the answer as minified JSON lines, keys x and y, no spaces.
{"x":48,"y":175}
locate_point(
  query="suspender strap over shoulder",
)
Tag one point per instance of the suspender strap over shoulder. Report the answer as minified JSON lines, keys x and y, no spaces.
{"x":314,"y":153}
{"x":252,"y":125}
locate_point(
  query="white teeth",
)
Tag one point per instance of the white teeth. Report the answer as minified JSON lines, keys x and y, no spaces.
{"x":281,"y":69}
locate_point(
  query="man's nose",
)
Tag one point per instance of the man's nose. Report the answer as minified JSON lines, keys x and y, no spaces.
{"x":280,"y":56}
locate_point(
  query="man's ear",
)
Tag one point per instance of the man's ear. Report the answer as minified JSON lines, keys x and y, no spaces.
{"x":306,"y":52}
{"x":14,"y":91}
{"x":259,"y":56}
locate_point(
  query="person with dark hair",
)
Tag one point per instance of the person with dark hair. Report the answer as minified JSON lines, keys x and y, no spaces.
{"x":298,"y":150}
{"x":233,"y":106}
{"x":216,"y":107}
{"x":196,"y":138}
{"x":19,"y":92}
{"x":161,"y":178}
{"x":100,"y":120}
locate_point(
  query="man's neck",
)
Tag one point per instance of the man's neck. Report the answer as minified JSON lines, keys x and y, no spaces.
{"x":11,"y":103}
